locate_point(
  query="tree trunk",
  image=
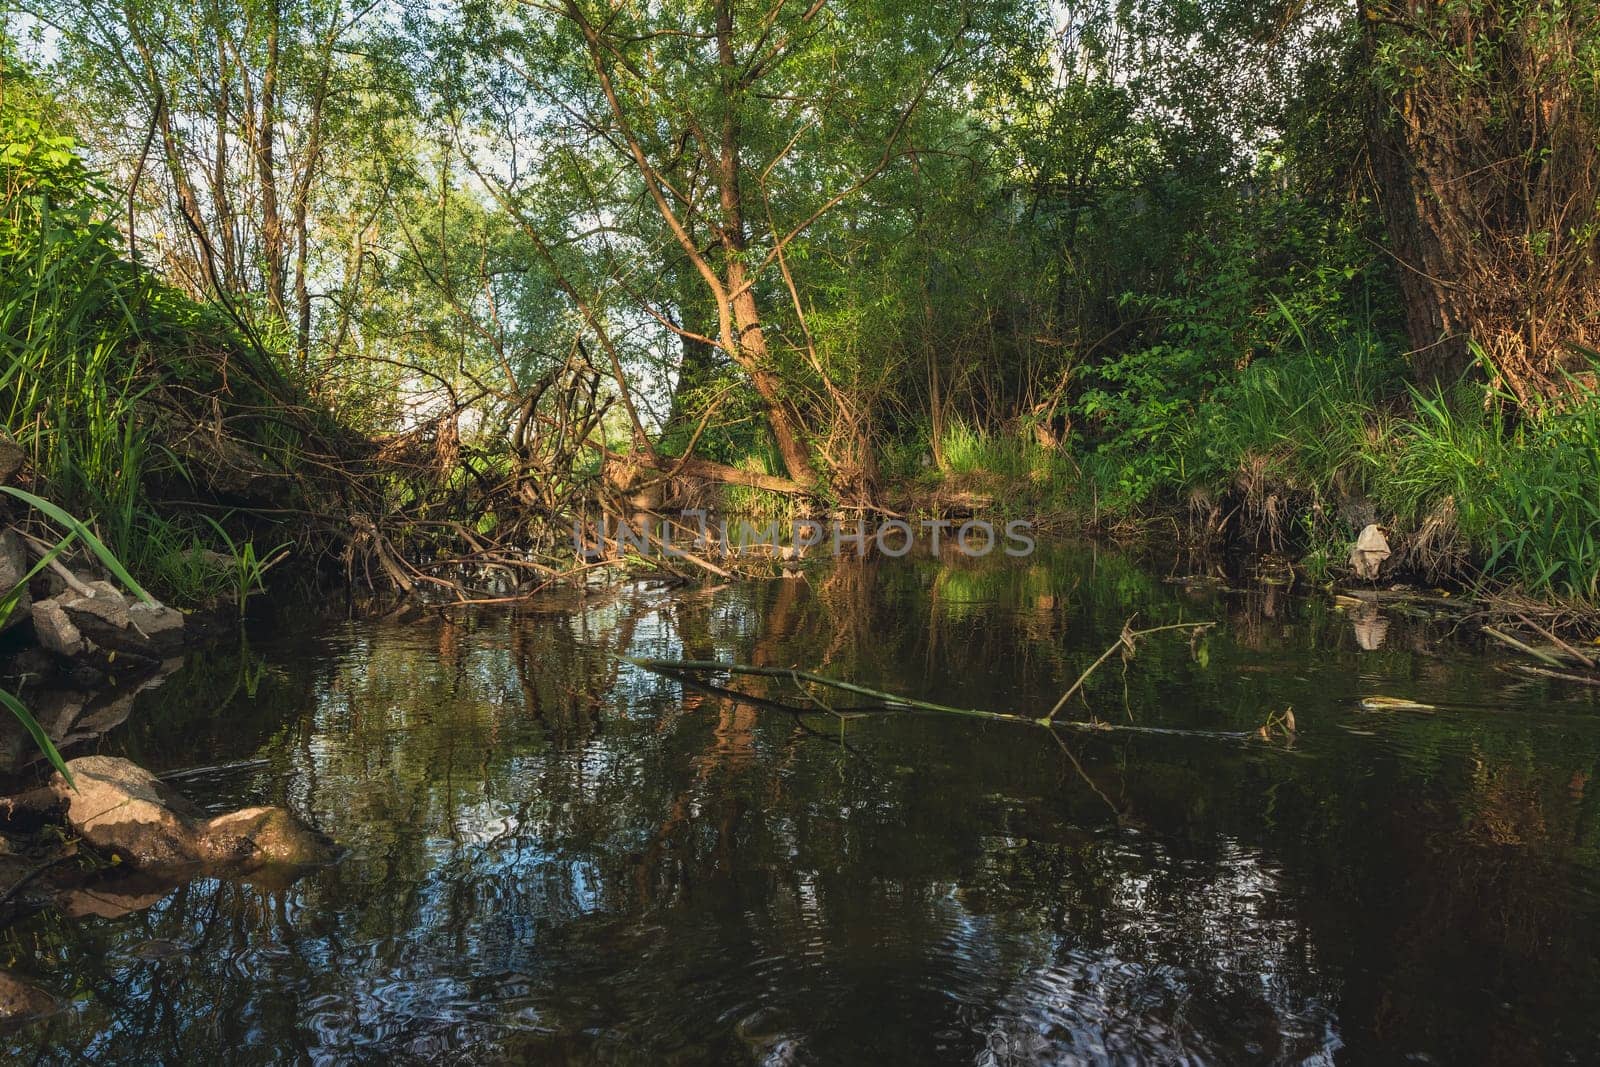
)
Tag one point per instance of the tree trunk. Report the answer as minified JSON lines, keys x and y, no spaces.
{"x":274,"y":259}
{"x":749,"y":347}
{"x":1436,"y":325}
{"x":1491,"y":188}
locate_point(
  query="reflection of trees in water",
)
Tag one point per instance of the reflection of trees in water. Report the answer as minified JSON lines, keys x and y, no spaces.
{"x":542,"y":837}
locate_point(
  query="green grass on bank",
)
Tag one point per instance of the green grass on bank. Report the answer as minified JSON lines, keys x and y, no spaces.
{"x":130,"y":400}
{"x":1305,"y":447}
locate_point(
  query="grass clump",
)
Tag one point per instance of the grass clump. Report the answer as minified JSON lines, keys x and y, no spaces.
{"x":1308,"y":446}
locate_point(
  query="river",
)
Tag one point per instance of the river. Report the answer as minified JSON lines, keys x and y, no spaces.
{"x":553,"y":855}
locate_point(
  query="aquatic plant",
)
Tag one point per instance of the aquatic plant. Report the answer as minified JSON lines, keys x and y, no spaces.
{"x":249,"y":570}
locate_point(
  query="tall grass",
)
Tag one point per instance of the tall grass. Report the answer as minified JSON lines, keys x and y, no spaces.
{"x":103,"y":368}
{"x":758,"y":505}
{"x":1527,"y":493}
{"x":70,"y":338}
{"x":1323,"y":436}
{"x":1337,"y":422}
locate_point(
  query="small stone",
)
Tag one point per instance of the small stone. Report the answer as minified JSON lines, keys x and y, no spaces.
{"x":108,"y":620}
{"x":55,"y":629}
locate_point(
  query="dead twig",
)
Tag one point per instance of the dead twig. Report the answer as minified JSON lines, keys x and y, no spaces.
{"x":1126,"y":643}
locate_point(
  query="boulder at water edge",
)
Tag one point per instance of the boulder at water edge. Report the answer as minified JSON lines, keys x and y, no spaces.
{"x":122,"y":808}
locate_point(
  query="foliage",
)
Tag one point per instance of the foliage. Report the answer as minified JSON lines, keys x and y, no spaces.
{"x":1272,"y":268}
{"x":1099,"y":256}
{"x":1488,"y":119}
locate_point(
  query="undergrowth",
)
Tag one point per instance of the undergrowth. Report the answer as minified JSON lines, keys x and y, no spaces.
{"x":134,"y":404}
{"x":1306,"y":447}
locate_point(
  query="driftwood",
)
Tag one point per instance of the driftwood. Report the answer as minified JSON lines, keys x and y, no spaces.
{"x":1507,"y":639}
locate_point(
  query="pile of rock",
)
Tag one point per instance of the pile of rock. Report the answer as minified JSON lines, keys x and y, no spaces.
{"x":83,"y":617}
{"x":158,"y":840}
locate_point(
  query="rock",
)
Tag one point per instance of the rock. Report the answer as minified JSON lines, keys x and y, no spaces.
{"x":124,"y":809}
{"x":1370,"y":550}
{"x":14,"y":569}
{"x":55,"y":630}
{"x":161,"y":626}
{"x":107,"y":606}
{"x":103,"y":716}
{"x":258,"y":837}
{"x":22,"y":1000}
{"x":12,"y":458}
{"x":31,"y":809}
{"x":107,"y":619}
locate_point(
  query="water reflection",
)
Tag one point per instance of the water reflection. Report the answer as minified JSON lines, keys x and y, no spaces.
{"x":558,"y":857}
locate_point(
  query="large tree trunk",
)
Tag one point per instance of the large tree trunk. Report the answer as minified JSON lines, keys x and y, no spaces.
{"x":749,"y":347}
{"x":752,"y":355}
{"x":1489,"y":180}
{"x":1437,"y":318}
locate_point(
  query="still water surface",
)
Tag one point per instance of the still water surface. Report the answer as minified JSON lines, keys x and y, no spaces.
{"x":554,"y":856}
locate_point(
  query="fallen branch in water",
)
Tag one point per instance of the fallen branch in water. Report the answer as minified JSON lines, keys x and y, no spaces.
{"x":1565,"y":676}
{"x":892,"y":702}
{"x":1587,"y":661}
{"x":1507,"y":639}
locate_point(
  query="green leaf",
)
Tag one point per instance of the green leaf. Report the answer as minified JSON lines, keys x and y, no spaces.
{"x":95,"y":545}
{"x":40,"y":738}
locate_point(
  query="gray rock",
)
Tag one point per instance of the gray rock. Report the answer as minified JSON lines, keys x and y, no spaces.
{"x":159,"y":625}
{"x":107,"y":606}
{"x":203,"y":560}
{"x":55,"y":629}
{"x":124,"y":809}
{"x":14,"y":569}
{"x":109,"y":620}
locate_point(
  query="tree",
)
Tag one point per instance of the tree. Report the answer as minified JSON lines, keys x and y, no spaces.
{"x":229,"y":123}
{"x":743,"y":125}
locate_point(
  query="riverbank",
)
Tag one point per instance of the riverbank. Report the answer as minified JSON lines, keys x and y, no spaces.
{"x":1297,"y":458}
